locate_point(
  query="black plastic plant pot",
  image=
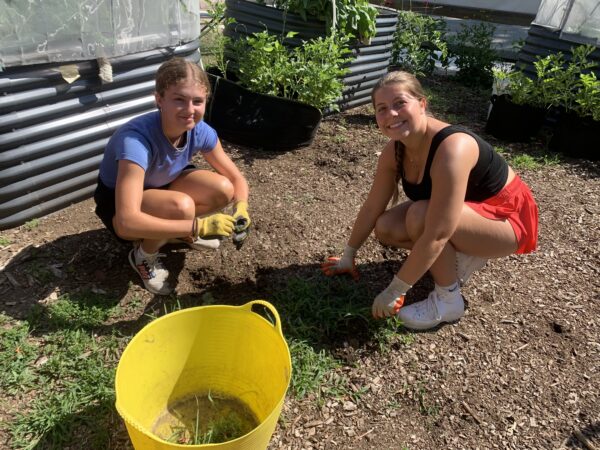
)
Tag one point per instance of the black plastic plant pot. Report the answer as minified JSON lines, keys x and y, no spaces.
{"x":511,"y":122}
{"x":575,"y":136}
{"x":243,"y":117}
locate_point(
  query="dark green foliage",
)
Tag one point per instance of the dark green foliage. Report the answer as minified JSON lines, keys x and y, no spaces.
{"x":473,"y":54}
{"x":419,"y":43}
{"x":311,"y":73}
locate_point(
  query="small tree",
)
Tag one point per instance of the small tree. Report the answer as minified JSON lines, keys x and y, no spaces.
{"x":419,"y":42}
{"x":473,"y":53}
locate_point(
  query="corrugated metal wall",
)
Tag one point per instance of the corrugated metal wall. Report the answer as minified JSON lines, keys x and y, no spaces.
{"x":370,"y":61}
{"x":52,"y":133}
{"x":541,"y":42}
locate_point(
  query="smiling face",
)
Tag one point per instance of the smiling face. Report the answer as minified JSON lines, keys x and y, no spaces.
{"x":182,"y":106}
{"x":182,"y":89}
{"x":398,"y":112}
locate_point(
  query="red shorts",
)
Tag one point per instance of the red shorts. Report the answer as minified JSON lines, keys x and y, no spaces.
{"x":516,"y":204}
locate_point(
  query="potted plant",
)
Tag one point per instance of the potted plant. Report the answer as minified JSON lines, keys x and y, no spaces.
{"x":370,"y":30}
{"x":267,"y":95}
{"x":270,"y":96}
{"x":518,"y":107}
{"x":576,"y":94}
{"x":568,"y":88}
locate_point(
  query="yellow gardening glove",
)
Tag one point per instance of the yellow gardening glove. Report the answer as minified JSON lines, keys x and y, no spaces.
{"x":241,"y":216}
{"x":242,"y":223}
{"x":215,"y":225}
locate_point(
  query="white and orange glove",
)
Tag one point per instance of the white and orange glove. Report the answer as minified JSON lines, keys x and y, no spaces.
{"x":345,"y":264}
{"x":391,"y":299}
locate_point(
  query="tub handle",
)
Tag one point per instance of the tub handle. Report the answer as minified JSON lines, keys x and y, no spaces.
{"x":248,"y":306}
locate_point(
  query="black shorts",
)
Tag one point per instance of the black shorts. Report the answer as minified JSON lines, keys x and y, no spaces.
{"x":105,"y":207}
{"x":105,"y":204}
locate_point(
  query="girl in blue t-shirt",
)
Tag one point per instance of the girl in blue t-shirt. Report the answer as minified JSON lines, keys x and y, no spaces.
{"x":149,"y":193}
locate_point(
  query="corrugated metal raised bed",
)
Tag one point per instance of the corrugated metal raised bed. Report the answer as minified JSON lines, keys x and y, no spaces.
{"x":370,"y":61}
{"x":542,"y":41}
{"x":53,"y":133}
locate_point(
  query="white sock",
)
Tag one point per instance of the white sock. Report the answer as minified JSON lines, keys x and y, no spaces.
{"x":448,"y":293}
{"x":140,"y":254}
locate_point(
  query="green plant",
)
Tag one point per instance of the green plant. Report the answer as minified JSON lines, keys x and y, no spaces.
{"x":32,"y":224}
{"x":73,"y":375}
{"x":311,"y":369}
{"x":310,"y":73}
{"x":418,"y":43}
{"x":525,"y":161}
{"x":513,"y":82}
{"x":587,"y":97}
{"x":557,"y":83}
{"x":356,"y":18}
{"x":4,"y":241}
{"x":473,"y":54}
{"x":557,"y":80}
{"x":214,"y":42}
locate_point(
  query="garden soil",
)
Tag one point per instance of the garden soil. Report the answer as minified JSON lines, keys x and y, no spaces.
{"x":521,"y":370}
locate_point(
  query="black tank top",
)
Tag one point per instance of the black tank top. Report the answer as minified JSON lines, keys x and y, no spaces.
{"x":486,"y":179}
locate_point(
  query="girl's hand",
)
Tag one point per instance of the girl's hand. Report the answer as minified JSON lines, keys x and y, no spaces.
{"x":391,"y":299}
{"x":214,"y":225}
{"x":345,"y":264}
{"x":241,"y":216}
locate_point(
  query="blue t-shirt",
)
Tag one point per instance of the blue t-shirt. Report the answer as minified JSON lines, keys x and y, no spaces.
{"x":142,"y":141}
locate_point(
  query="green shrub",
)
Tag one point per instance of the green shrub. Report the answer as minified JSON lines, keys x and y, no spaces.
{"x":418,"y":43}
{"x":311,"y":73}
{"x":557,"y":83}
{"x":473,"y":53}
{"x":356,"y":18}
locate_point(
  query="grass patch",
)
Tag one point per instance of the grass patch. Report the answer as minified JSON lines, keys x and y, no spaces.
{"x":311,"y":369}
{"x":4,"y":241}
{"x":66,"y":381}
{"x":526,"y":161}
{"x":85,"y":310}
{"x":32,"y":224}
{"x":319,"y":312}
{"x":17,"y":354}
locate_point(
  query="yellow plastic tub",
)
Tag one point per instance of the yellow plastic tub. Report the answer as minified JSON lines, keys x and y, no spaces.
{"x":227,"y":349}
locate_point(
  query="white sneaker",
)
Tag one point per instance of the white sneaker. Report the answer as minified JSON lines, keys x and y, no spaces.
{"x":466,"y":265}
{"x":198,"y":243}
{"x":431,"y":312}
{"x":153,"y":273}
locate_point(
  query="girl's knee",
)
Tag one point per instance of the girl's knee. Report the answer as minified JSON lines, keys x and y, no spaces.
{"x":383,"y":229}
{"x":183,"y":207}
{"x":415,"y":219}
{"x":227,"y":189}
{"x":221,"y":194}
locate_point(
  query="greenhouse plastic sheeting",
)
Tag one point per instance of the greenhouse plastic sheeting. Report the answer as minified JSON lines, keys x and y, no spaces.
{"x":45,"y":31}
{"x":577,"y":20}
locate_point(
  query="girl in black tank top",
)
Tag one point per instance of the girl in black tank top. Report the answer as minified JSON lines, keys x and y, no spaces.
{"x":486,"y":179}
{"x":464,"y":205}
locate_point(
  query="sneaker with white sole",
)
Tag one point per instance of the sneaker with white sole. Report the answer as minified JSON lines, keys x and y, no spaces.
{"x":432,"y":311}
{"x":466,"y":265}
{"x":153,"y":273}
{"x":198,"y":243}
